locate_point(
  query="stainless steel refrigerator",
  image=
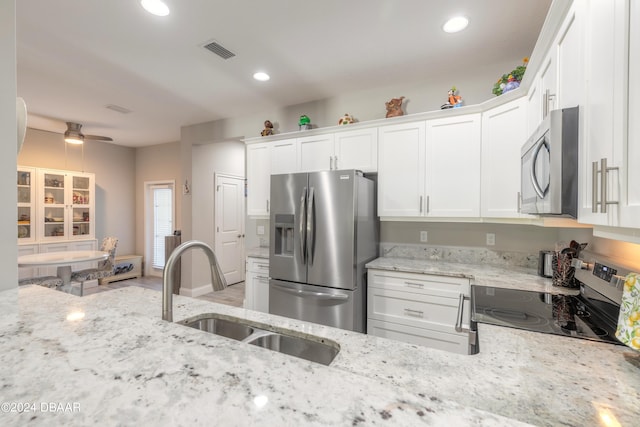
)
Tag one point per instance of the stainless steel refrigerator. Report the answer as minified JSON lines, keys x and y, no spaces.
{"x":324,"y":229}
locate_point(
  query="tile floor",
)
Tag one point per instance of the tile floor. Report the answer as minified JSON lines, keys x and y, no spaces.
{"x":232,"y":295}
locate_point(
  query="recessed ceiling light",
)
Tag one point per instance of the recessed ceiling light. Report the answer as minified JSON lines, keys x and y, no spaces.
{"x":263,"y":77}
{"x":455,"y":24}
{"x":156,"y":7}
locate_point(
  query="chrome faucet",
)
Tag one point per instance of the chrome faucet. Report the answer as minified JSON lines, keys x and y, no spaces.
{"x":218,"y":282}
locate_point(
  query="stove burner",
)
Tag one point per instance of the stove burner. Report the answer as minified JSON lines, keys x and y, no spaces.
{"x":517,"y":318}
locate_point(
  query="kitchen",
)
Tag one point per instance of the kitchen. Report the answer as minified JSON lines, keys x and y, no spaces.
{"x":508,"y":237}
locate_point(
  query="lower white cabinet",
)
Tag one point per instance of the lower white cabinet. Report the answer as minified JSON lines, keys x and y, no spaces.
{"x":419,"y":309}
{"x":257,"y":284}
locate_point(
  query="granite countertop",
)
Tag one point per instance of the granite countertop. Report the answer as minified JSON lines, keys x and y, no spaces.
{"x":258,"y":252}
{"x":121,"y":364}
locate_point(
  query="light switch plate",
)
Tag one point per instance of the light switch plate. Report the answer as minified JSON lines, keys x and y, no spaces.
{"x":423,"y":236}
{"x":260,"y":230}
{"x":491,"y":239}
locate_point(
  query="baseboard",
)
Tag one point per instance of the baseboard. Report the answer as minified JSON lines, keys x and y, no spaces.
{"x":196,"y":292}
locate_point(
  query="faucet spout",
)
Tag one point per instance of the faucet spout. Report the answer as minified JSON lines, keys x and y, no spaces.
{"x":218,"y":282}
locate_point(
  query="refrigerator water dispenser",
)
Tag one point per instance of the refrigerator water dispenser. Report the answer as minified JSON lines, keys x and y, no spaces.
{"x":284,"y":235}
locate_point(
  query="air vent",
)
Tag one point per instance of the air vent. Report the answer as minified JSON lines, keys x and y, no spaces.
{"x":118,"y":108}
{"x":219,"y":50}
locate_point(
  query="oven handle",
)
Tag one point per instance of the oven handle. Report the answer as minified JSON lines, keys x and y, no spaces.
{"x":316,"y":295}
{"x":461,"y":300}
{"x":534,"y":179}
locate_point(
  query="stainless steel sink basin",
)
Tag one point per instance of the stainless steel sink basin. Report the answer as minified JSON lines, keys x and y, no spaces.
{"x":297,"y":346}
{"x":233,"y":329}
{"x":319,"y":350}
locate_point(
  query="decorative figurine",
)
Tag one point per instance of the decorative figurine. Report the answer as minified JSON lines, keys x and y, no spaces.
{"x":346,"y":119}
{"x":511,"y":84}
{"x":268,"y":128}
{"x":394,"y":107}
{"x":304,"y":123}
{"x":453,"y":100}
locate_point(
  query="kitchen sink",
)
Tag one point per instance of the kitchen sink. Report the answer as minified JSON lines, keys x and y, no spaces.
{"x":297,"y":346}
{"x":313,"y":349}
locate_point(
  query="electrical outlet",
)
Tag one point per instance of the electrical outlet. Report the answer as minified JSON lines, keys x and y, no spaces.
{"x":491,"y":239}
{"x":260,"y":230}
{"x":423,"y":236}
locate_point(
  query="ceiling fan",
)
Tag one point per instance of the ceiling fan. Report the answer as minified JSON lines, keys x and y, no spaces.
{"x":74,"y":135}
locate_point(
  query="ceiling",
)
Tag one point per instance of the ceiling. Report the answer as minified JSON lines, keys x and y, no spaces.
{"x":75,"y":57}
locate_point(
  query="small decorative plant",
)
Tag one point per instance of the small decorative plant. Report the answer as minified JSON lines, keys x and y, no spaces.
{"x":512,"y":80}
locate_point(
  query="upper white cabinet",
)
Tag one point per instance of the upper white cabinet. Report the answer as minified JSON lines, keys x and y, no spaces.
{"x":453,"y":167}
{"x":284,"y":156}
{"x":401,"y":169}
{"x":503,"y":134}
{"x":603,"y":141}
{"x":569,"y":50}
{"x":357,"y":149}
{"x":66,"y":209}
{"x":26,"y":204}
{"x":430,"y":168}
{"x":316,"y":153}
{"x":258,"y":179}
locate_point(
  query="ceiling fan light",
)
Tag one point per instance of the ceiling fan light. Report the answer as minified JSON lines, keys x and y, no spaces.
{"x":455,"y":24}
{"x":74,"y":139}
{"x":155,"y":7}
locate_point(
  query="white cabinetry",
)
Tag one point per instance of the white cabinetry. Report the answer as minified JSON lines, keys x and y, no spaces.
{"x":570,"y":48}
{"x":284,"y":156}
{"x":258,"y":179}
{"x":430,"y":168}
{"x":315,"y":153}
{"x":357,"y":149}
{"x":401,"y":169}
{"x":66,"y":209}
{"x":84,"y":245}
{"x":419,"y":309}
{"x":453,"y":167}
{"x":26,"y":204}
{"x":603,"y":139}
{"x":257,"y":284}
{"x":503,"y":134}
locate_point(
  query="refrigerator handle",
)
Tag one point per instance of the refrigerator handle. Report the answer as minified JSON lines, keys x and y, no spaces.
{"x":303,"y":226}
{"x":310,"y":226}
{"x":316,"y":295}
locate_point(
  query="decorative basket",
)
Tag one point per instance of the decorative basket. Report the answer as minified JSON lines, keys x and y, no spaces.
{"x":563,"y":272}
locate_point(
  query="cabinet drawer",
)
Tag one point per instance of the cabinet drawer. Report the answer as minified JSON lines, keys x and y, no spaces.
{"x":417,"y":283}
{"x":258,"y":265}
{"x":455,"y":343}
{"x":437,"y":312}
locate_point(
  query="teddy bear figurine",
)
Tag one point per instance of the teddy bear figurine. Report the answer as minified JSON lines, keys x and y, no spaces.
{"x":346,"y":119}
{"x":268,"y":128}
{"x":394,"y":107}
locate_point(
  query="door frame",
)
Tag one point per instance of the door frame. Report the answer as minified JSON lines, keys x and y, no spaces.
{"x":148,"y":224}
{"x":241,"y":219}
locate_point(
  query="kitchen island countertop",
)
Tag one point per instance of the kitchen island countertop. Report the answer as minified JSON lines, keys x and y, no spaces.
{"x":122,"y":365}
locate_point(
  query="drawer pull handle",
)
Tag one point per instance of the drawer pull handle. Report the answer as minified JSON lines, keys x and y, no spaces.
{"x":459,"y":327}
{"x":413,"y":313}
{"x":262,"y":278}
{"x":414,"y":285}
{"x":262,"y":265}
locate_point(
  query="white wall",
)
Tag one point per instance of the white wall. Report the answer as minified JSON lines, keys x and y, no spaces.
{"x":8,"y":136}
{"x":207,"y":160}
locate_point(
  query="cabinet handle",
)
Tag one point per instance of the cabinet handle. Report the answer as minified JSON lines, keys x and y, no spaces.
{"x":415,"y":285}
{"x":330,"y":163}
{"x":594,"y":187}
{"x":427,"y":204}
{"x":545,"y":105}
{"x":335,"y":162}
{"x":413,"y":313}
{"x":262,"y":265}
{"x":603,"y":182}
{"x":420,"y":204}
{"x":459,"y":327}
{"x":519,"y":202}
{"x":267,"y":206}
{"x":262,"y":278}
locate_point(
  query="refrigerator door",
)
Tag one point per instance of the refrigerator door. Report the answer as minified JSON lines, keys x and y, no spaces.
{"x":332,"y":307}
{"x":287,"y":251}
{"x":331,"y":246}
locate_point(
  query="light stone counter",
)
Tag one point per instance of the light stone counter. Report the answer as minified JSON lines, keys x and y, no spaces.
{"x":258,"y":252}
{"x":109,"y":359}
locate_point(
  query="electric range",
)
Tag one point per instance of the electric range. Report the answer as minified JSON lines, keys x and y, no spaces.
{"x":591,"y":313}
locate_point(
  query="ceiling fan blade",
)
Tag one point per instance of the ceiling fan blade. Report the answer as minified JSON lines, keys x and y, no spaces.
{"x":98,"y":138}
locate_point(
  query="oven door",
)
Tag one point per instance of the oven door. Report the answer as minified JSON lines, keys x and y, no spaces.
{"x":535,"y":178}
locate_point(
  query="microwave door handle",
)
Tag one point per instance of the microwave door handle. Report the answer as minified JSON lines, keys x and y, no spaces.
{"x":302,"y":226}
{"x":534,"y":179}
{"x":311,"y":220}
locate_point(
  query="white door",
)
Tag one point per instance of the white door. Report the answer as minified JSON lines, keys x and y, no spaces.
{"x":159,"y":223}
{"x":229,"y":226}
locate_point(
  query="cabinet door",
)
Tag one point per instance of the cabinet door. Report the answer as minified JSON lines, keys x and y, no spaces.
{"x":548,"y":83}
{"x":534,"y":107}
{"x":258,"y":179}
{"x":284,"y":156}
{"x":81,"y":205}
{"x":570,"y":59}
{"x":453,"y":166}
{"x":357,"y":149}
{"x":315,"y":153}
{"x":26,"y":181}
{"x":503,"y":133}
{"x":603,"y":119}
{"x":52,"y":216}
{"x":401,"y":169}
{"x":630,"y":210}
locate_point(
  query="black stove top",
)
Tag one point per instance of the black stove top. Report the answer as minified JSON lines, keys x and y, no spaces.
{"x":585,"y":316}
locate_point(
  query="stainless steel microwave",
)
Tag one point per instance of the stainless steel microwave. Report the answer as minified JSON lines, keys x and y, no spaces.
{"x":549,"y":183}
